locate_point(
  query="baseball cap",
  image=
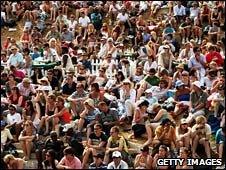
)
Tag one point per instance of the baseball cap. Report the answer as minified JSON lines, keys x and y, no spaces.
{"x":116,"y":154}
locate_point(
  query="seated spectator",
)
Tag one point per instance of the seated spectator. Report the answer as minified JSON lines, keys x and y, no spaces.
{"x":14,"y":163}
{"x":77,"y":98}
{"x":98,"y":162}
{"x":50,"y":109}
{"x":138,"y":123}
{"x":143,"y":160}
{"x":61,"y":116}
{"x":212,"y":55}
{"x":117,"y":162}
{"x":69,"y":161}
{"x":88,"y":116}
{"x":198,"y":102}
{"x":26,"y":88}
{"x":6,"y":138}
{"x":115,"y":143}
{"x":201,"y":133}
{"x":184,"y":154}
{"x":182,"y":92}
{"x":52,"y":80}
{"x":163,"y":153}
{"x":108,"y":118}
{"x":13,"y":120}
{"x":186,"y":28}
{"x":50,"y":162}
{"x":165,"y":134}
{"x":93,"y":146}
{"x":16,"y":58}
{"x":69,"y":87}
{"x":183,"y":134}
{"x":26,"y":138}
{"x":220,"y":141}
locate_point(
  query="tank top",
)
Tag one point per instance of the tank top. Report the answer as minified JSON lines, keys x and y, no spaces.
{"x":66,"y":117}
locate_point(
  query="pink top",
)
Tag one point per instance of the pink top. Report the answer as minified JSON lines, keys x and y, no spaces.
{"x":74,"y":164}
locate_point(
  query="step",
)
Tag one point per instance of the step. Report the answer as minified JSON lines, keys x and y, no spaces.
{"x":31,"y":164}
{"x":21,"y":154}
{"x":17,"y":145}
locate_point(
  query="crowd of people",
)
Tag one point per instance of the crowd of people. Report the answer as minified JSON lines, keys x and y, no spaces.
{"x":161,"y":77}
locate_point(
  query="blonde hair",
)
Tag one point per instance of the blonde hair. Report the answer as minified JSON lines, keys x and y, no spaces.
{"x":200,"y":119}
{"x":8,"y":157}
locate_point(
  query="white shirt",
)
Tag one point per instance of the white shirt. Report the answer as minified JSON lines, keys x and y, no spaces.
{"x":122,"y":165}
{"x":84,"y":21}
{"x":3,"y":15}
{"x":179,"y":11}
{"x":148,"y":65}
{"x":72,"y":25}
{"x":5,"y":134}
{"x":131,"y":98}
{"x":122,"y":17}
{"x":15,"y":118}
{"x":194,"y":12}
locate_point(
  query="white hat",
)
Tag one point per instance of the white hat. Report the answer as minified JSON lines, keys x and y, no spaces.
{"x":110,"y":97}
{"x":149,"y":90}
{"x":197,"y":84}
{"x":110,"y":39}
{"x":179,"y":83}
{"x":126,"y":81}
{"x":183,"y":121}
{"x":116,"y":154}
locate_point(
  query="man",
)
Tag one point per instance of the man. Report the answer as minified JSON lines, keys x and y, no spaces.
{"x":19,"y":75}
{"x":108,"y":117}
{"x":52,"y":80}
{"x":77,"y":98}
{"x":50,"y":54}
{"x":26,"y":88}
{"x":117,"y":162}
{"x":67,"y":35}
{"x":98,"y":162}
{"x":69,"y":161}
{"x":150,"y":80}
{"x":198,"y":101}
{"x":16,"y":58}
{"x":198,"y":62}
{"x":83,"y":22}
{"x":213,"y":55}
{"x":179,"y":12}
{"x":53,"y":33}
{"x":69,"y":87}
{"x":13,"y":120}
{"x":96,"y":144}
{"x":51,"y":143}
{"x":6,"y":137}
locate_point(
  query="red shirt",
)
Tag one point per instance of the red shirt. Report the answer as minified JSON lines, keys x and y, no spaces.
{"x":19,"y":74}
{"x":215,"y":56}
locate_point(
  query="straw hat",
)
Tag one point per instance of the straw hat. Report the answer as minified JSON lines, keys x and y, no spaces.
{"x":90,"y":102}
{"x":180,"y":66}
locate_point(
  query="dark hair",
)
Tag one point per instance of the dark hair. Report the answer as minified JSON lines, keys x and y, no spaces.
{"x":98,"y":125}
{"x":122,"y":76}
{"x":17,"y":90}
{"x":68,"y":151}
{"x":26,"y":50}
{"x":152,"y":70}
{"x":195,"y":49}
{"x":96,"y":86}
{"x":46,"y":45}
{"x":32,"y":109}
{"x":12,"y":75}
{"x":144,"y":103}
{"x":52,"y":161}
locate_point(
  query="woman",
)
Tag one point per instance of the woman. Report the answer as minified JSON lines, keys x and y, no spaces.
{"x":53,"y":44}
{"x":164,"y":74}
{"x":16,"y":98}
{"x":143,"y":160}
{"x":10,"y":84}
{"x":139,"y":38}
{"x":61,"y":116}
{"x":14,"y":163}
{"x":116,"y":31}
{"x":26,"y":139}
{"x":96,"y":94}
{"x":184,"y":154}
{"x":138,"y":125}
{"x":29,"y":113}
{"x":101,"y":79}
{"x":151,"y":49}
{"x":127,"y":99}
{"x":25,"y":37}
{"x":105,"y":31}
{"x":27,"y":61}
{"x":37,"y":74}
{"x":50,"y":109}
{"x":90,"y":30}
{"x":183,"y":134}
{"x":57,"y":72}
{"x":50,"y":162}
{"x":115,"y":143}
{"x":162,"y":154}
{"x":111,"y":48}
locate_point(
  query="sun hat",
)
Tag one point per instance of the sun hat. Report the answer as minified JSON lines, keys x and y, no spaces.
{"x":90,"y":102}
{"x":180,"y":66}
{"x":197,"y":84}
{"x":183,"y":121}
{"x":179,"y":83}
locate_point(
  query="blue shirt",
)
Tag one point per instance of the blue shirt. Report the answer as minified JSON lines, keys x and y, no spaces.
{"x":219,"y":136}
